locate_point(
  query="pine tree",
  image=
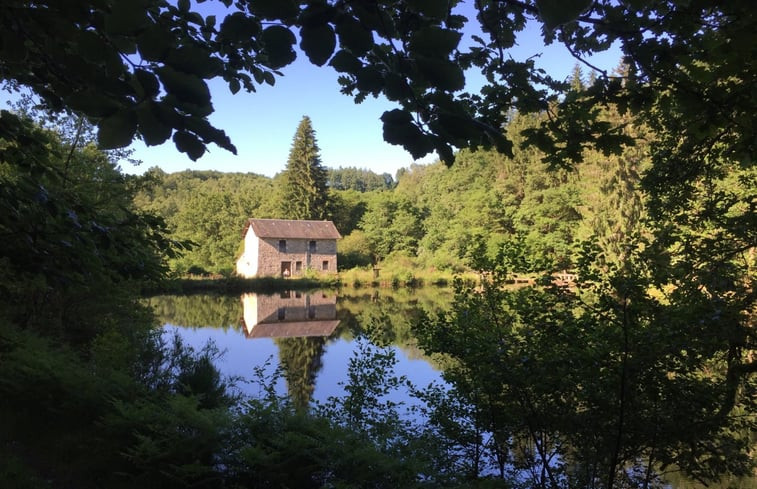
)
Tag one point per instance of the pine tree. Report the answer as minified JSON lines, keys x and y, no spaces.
{"x":305,"y":194}
{"x":577,"y":79}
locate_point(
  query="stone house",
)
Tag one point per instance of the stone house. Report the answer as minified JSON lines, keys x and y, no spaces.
{"x":279,"y":247}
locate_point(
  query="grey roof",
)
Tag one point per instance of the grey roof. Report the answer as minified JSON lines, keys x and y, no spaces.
{"x":282,"y":228}
{"x":292,"y":329}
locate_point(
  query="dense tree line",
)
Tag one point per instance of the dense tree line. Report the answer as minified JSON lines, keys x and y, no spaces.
{"x":358,"y":179}
{"x":487,"y":204}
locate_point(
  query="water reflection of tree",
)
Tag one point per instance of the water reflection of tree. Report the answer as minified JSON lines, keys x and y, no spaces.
{"x":387,"y":316}
{"x":301,"y":360}
{"x":198,"y":311}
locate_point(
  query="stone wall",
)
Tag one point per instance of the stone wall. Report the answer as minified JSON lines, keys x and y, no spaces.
{"x":298,"y":255}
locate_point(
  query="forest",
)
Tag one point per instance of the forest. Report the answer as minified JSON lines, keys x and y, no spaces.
{"x":640,"y":181}
{"x":516,"y":211}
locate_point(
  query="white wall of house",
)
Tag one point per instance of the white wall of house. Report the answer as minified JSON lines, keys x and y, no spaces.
{"x":250,"y":308}
{"x":247,"y":264}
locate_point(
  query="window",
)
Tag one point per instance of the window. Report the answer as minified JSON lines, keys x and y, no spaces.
{"x":285,"y":295}
{"x":311,"y":246}
{"x":325,"y":264}
{"x":282,"y":245}
{"x":282,"y":313}
{"x":298,"y":266}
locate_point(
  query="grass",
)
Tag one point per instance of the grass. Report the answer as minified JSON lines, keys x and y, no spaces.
{"x":230,"y":285}
{"x":391,"y":275}
{"x":396,"y":277}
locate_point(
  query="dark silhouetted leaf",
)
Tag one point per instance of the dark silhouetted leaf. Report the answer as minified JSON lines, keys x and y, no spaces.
{"x":117,"y":130}
{"x":318,"y":42}
{"x":316,"y":14}
{"x":184,"y":86}
{"x":396,"y":87}
{"x":93,"y":104}
{"x":442,"y":73}
{"x":278,"y":42}
{"x":369,"y":79}
{"x":399,"y":129}
{"x":436,"y":9}
{"x":234,"y":85}
{"x":148,"y":81}
{"x":189,"y":144}
{"x":197,"y":61}
{"x":435,"y":41}
{"x":152,"y":129}
{"x":238,"y":27}
{"x":125,"y":18}
{"x":154,"y":43}
{"x":274,"y":9}
{"x":557,"y":12}
{"x":353,"y":36}
{"x":344,"y":62}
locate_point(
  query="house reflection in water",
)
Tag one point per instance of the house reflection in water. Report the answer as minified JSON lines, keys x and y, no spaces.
{"x":290,"y":314}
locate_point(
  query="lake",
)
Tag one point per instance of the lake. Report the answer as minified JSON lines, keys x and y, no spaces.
{"x":311,"y":335}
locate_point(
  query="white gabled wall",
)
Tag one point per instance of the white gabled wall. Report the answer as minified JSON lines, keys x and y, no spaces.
{"x":247,"y":264}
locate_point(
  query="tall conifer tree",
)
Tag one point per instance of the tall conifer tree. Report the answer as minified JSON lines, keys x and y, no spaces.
{"x":305,"y":193}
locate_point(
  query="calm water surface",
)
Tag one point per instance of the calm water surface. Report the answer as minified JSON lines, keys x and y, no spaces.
{"x":311,"y":335}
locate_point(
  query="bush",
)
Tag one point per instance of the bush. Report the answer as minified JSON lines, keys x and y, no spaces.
{"x":353,"y":251}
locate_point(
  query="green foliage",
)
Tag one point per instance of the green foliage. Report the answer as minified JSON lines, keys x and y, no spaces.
{"x":608,"y":378}
{"x":353,"y":251}
{"x":649,"y":365}
{"x":132,"y":411}
{"x":75,"y":247}
{"x":197,"y":311}
{"x":348,"y":207}
{"x":207,"y":208}
{"x":391,"y":224}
